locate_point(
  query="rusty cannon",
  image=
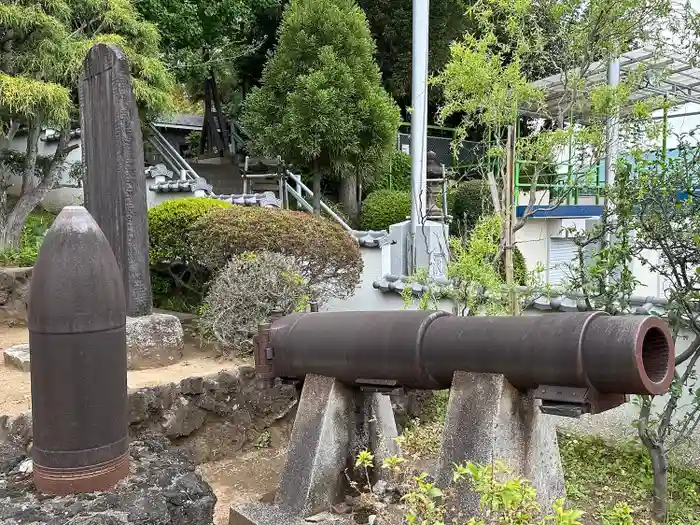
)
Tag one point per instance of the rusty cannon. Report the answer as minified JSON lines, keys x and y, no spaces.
{"x":575,"y":363}
{"x":506,"y":376}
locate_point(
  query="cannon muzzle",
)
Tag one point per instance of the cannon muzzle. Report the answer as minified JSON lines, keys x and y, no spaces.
{"x":575,"y":363}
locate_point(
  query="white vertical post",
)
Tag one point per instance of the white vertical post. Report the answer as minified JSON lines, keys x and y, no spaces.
{"x":419,"y":135}
{"x":612,"y":126}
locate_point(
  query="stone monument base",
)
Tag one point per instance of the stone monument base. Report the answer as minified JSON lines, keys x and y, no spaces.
{"x":163,"y":488}
{"x":153,"y":341}
{"x":334,"y":422}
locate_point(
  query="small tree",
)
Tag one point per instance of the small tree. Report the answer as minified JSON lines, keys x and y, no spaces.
{"x":486,"y":83}
{"x":44,"y":44}
{"x":657,"y":204}
{"x":321,"y":105}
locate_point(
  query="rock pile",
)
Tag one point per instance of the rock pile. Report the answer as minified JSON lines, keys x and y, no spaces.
{"x":163,"y":489}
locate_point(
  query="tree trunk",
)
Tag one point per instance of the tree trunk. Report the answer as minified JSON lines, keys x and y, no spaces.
{"x":11,"y":227}
{"x":659,"y":467}
{"x":317,"y":189}
{"x":348,"y":196}
{"x":12,"y":221}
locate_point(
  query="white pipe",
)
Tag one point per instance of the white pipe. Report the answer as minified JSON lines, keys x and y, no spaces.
{"x":419,"y":103}
{"x":612,"y":126}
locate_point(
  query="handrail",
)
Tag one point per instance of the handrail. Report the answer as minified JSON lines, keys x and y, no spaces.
{"x":162,"y":143}
{"x":305,"y":188}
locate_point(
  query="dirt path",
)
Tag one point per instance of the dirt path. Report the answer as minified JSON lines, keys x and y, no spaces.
{"x":15,"y":387}
{"x":249,"y":476}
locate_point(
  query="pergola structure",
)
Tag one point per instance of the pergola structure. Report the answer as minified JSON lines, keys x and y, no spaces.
{"x":665,"y":75}
{"x":666,"y":80}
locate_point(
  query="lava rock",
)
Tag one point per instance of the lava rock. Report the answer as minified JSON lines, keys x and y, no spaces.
{"x":163,"y":489}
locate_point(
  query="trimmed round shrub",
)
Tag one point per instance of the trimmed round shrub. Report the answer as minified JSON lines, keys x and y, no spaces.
{"x":329,"y":258}
{"x":177,"y":280}
{"x":168,"y":223}
{"x":468,"y":201}
{"x":383,"y":208}
{"x":246,"y":292}
{"x":520,"y":272}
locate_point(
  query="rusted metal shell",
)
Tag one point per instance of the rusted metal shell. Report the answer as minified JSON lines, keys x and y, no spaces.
{"x":422,"y":350}
{"x":77,"y":339}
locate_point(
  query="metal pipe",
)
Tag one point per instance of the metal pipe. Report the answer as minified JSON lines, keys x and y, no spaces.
{"x":77,"y":335}
{"x":324,"y":206}
{"x":419,"y":349}
{"x":612,"y":126}
{"x":419,"y":131}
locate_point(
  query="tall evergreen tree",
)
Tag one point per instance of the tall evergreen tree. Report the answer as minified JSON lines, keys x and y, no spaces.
{"x":321,"y":104}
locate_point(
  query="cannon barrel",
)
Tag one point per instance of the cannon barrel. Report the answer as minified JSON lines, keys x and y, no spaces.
{"x":423,"y":350}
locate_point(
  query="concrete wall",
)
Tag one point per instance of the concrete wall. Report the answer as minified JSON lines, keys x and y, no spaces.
{"x":533,"y":242}
{"x":366,"y":297}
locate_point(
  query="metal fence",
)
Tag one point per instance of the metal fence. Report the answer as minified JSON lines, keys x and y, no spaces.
{"x":440,"y":140}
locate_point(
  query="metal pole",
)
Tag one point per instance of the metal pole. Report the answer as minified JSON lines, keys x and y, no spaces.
{"x":612,"y":136}
{"x":612,"y":126}
{"x":419,"y":98}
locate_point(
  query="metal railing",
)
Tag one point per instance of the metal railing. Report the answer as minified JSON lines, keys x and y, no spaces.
{"x":567,"y":189}
{"x":298,"y":191}
{"x":172,"y":158}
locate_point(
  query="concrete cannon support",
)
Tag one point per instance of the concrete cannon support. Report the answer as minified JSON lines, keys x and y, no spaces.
{"x":333,"y":423}
{"x":489,"y":420}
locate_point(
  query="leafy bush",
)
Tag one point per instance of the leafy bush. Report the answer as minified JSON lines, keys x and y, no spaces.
{"x":178,"y":280}
{"x":169,"y":221}
{"x":468,"y":201}
{"x":246,"y":292}
{"x":33,"y":233}
{"x":396,"y":177}
{"x":383,"y":208}
{"x":329,"y":258}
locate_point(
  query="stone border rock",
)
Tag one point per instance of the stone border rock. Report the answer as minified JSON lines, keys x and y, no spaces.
{"x":14,"y":292}
{"x":211,"y":416}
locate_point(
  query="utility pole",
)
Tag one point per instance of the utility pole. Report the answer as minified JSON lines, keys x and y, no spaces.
{"x":419,"y":121}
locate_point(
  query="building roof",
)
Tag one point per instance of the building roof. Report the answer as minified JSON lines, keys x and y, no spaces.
{"x":554,"y":302}
{"x":180,"y":121}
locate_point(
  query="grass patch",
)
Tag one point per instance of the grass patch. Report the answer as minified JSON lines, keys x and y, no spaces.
{"x":35,"y":228}
{"x":599,"y":475}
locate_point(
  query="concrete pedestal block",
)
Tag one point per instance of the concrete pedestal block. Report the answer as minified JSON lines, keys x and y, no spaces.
{"x":333,"y":423}
{"x":488,"y":420}
{"x":153,"y":341}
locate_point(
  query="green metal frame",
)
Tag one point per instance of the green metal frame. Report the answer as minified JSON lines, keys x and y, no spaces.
{"x":594,"y":188}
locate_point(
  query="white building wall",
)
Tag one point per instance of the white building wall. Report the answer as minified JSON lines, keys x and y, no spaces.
{"x":67,"y":193}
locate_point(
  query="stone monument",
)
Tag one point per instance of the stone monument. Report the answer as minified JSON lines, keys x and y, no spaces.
{"x":115,"y":195}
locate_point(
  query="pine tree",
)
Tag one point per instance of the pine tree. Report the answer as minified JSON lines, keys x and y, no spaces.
{"x":321,"y":104}
{"x":43,"y":44}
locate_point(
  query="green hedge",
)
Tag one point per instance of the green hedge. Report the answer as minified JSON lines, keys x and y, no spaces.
{"x":329,"y":256}
{"x":178,"y":281}
{"x":383,"y":208}
{"x":396,"y":177}
{"x":468,"y":201}
{"x":169,"y":222}
{"x":520,"y":272}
